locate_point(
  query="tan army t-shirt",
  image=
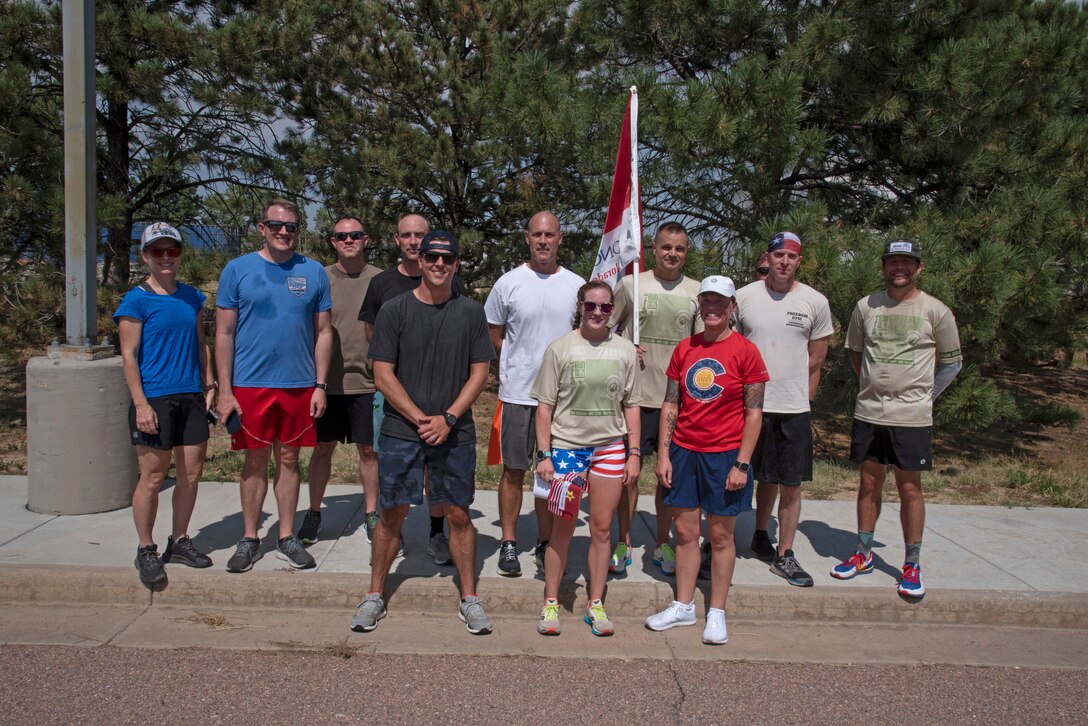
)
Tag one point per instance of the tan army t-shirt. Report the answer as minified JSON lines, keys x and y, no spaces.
{"x":350,"y":371}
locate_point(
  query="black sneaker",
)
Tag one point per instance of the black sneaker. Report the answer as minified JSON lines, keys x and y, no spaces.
{"x":311,"y":525}
{"x":149,"y":565}
{"x":704,"y":562}
{"x":787,"y":566}
{"x":763,"y":546}
{"x":508,"y":559}
{"x":185,"y":552}
{"x":248,"y":552}
{"x":293,"y":552}
{"x":371,"y":525}
{"x":538,"y":553}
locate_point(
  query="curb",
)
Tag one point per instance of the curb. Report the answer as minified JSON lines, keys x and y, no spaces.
{"x":523,"y":596}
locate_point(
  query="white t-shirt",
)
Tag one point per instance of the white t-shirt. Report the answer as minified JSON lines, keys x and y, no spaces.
{"x":781,"y":324}
{"x":536,"y":310}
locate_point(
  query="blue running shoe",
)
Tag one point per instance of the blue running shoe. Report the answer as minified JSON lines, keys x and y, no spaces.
{"x":910,"y":585}
{"x":858,"y":564}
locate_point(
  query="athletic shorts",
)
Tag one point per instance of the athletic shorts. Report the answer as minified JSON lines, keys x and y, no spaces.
{"x":379,"y":415}
{"x":783,"y":453}
{"x":606,"y":461}
{"x":274,"y":414}
{"x":908,"y":447}
{"x":517,"y":436}
{"x":348,"y":419}
{"x":183,"y":421}
{"x":698,"y":480}
{"x":651,"y":421}
{"x":451,"y":473}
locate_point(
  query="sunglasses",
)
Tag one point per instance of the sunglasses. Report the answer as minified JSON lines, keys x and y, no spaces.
{"x":275,"y":225}
{"x":763,"y":270}
{"x":341,"y":236}
{"x":158,"y":252}
{"x":606,"y":308}
{"x":433,"y":257}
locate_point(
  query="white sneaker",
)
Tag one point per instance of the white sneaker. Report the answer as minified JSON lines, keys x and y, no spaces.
{"x":715,"y":632}
{"x":676,"y":614}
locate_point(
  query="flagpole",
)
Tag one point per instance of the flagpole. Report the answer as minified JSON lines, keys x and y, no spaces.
{"x":636,"y":216}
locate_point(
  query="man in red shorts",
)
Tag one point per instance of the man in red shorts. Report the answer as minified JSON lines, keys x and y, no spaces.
{"x":273,"y":343}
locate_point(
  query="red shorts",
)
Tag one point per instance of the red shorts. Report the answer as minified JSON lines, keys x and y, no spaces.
{"x":274,"y":414}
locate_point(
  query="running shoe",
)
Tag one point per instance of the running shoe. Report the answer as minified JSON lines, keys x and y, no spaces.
{"x":184,"y":551}
{"x":508,"y":559}
{"x":910,"y":584}
{"x":293,"y":552}
{"x":247,"y":552}
{"x":763,"y":547}
{"x":311,"y":525}
{"x":371,"y":525}
{"x":665,"y":558}
{"x":715,"y":632}
{"x":538,"y":553}
{"x":368,"y":613}
{"x":439,"y":549}
{"x":621,"y":558}
{"x":149,"y":565}
{"x":598,"y":620}
{"x":472,"y":613}
{"x":789,"y":568}
{"x":549,"y":618}
{"x":672,"y":616}
{"x":858,"y":564}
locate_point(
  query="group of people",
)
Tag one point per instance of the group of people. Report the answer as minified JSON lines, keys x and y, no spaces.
{"x":713,"y":381}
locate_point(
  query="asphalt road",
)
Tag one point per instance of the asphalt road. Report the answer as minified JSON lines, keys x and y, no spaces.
{"x":64,"y":685}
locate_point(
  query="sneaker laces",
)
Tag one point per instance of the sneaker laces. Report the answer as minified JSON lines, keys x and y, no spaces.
{"x":912,"y":573}
{"x":150,"y":554}
{"x":243,"y":547}
{"x":474,"y":609}
{"x":596,"y":611}
{"x":790,"y":565}
{"x":509,"y":551}
{"x":291,"y":545}
{"x":857,"y":560}
{"x":550,"y":611}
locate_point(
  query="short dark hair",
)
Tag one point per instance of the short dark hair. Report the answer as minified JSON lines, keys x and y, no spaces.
{"x":671,"y":227}
{"x":342,"y":218}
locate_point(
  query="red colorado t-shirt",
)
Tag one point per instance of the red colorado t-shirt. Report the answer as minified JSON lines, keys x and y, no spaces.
{"x":712,"y":377}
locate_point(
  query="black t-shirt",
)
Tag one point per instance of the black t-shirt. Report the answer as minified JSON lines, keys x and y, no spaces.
{"x":390,"y":283}
{"x":432,"y":348}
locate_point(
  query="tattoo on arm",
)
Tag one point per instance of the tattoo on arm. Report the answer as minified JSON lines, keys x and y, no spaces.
{"x":670,"y":427}
{"x":753,"y":395}
{"x":672,"y":391}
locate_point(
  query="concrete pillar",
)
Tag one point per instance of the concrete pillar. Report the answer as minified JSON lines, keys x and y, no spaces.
{"x":78,"y":455}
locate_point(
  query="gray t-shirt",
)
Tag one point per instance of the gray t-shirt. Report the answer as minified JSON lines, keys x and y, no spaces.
{"x":432,"y":348}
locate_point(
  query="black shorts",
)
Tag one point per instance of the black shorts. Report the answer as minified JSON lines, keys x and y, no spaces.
{"x":348,"y":419}
{"x":908,"y":447}
{"x":183,"y":421}
{"x":783,"y":453}
{"x":651,"y":421}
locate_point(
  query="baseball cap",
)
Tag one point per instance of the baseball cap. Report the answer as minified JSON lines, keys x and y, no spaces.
{"x":439,"y":240}
{"x":719,"y":284}
{"x":785,"y":240}
{"x":908,"y":247}
{"x":156,"y":231}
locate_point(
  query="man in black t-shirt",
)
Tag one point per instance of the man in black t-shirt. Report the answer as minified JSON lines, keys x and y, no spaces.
{"x":431,"y":350}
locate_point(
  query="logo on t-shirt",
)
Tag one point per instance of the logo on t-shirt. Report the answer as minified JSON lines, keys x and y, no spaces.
{"x":700,"y":379}
{"x":297,"y":285}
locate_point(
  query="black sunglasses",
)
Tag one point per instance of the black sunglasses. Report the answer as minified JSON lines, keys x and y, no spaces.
{"x":341,"y":236}
{"x":275,"y":225}
{"x":157,"y":252}
{"x":606,"y":308}
{"x":433,"y":257}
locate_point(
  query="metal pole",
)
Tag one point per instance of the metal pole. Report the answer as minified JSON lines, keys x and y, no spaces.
{"x":80,"y":227}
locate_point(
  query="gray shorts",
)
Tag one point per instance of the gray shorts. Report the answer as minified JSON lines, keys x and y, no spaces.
{"x":783,"y":453}
{"x":517,"y":436}
{"x":451,"y":473}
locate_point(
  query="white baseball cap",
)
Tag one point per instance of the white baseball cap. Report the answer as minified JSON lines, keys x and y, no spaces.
{"x":720,"y":284}
{"x":156,"y":231}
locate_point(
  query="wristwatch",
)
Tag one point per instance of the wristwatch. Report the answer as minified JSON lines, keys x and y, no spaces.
{"x":543,"y":454}
{"x":450,"y":419}
{"x":742,"y":465}
{"x":634,"y":451}
{"x":322,"y":386}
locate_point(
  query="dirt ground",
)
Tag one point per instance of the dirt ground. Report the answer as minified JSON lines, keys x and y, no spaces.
{"x":1030,"y":465}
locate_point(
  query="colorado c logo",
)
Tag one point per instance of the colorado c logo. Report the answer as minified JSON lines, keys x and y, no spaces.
{"x":700,"y":379}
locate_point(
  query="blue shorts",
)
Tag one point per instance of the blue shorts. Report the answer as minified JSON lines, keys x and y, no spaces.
{"x":451,"y":473}
{"x":698,"y":480}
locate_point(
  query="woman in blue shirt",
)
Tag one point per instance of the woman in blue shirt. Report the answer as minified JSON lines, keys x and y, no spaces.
{"x":161,"y":327}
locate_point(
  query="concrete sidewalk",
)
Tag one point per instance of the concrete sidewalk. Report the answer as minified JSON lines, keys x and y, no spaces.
{"x":981,"y":565}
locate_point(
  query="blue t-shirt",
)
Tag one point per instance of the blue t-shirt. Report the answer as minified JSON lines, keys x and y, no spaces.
{"x":169,"y":354}
{"x":276,"y":303}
